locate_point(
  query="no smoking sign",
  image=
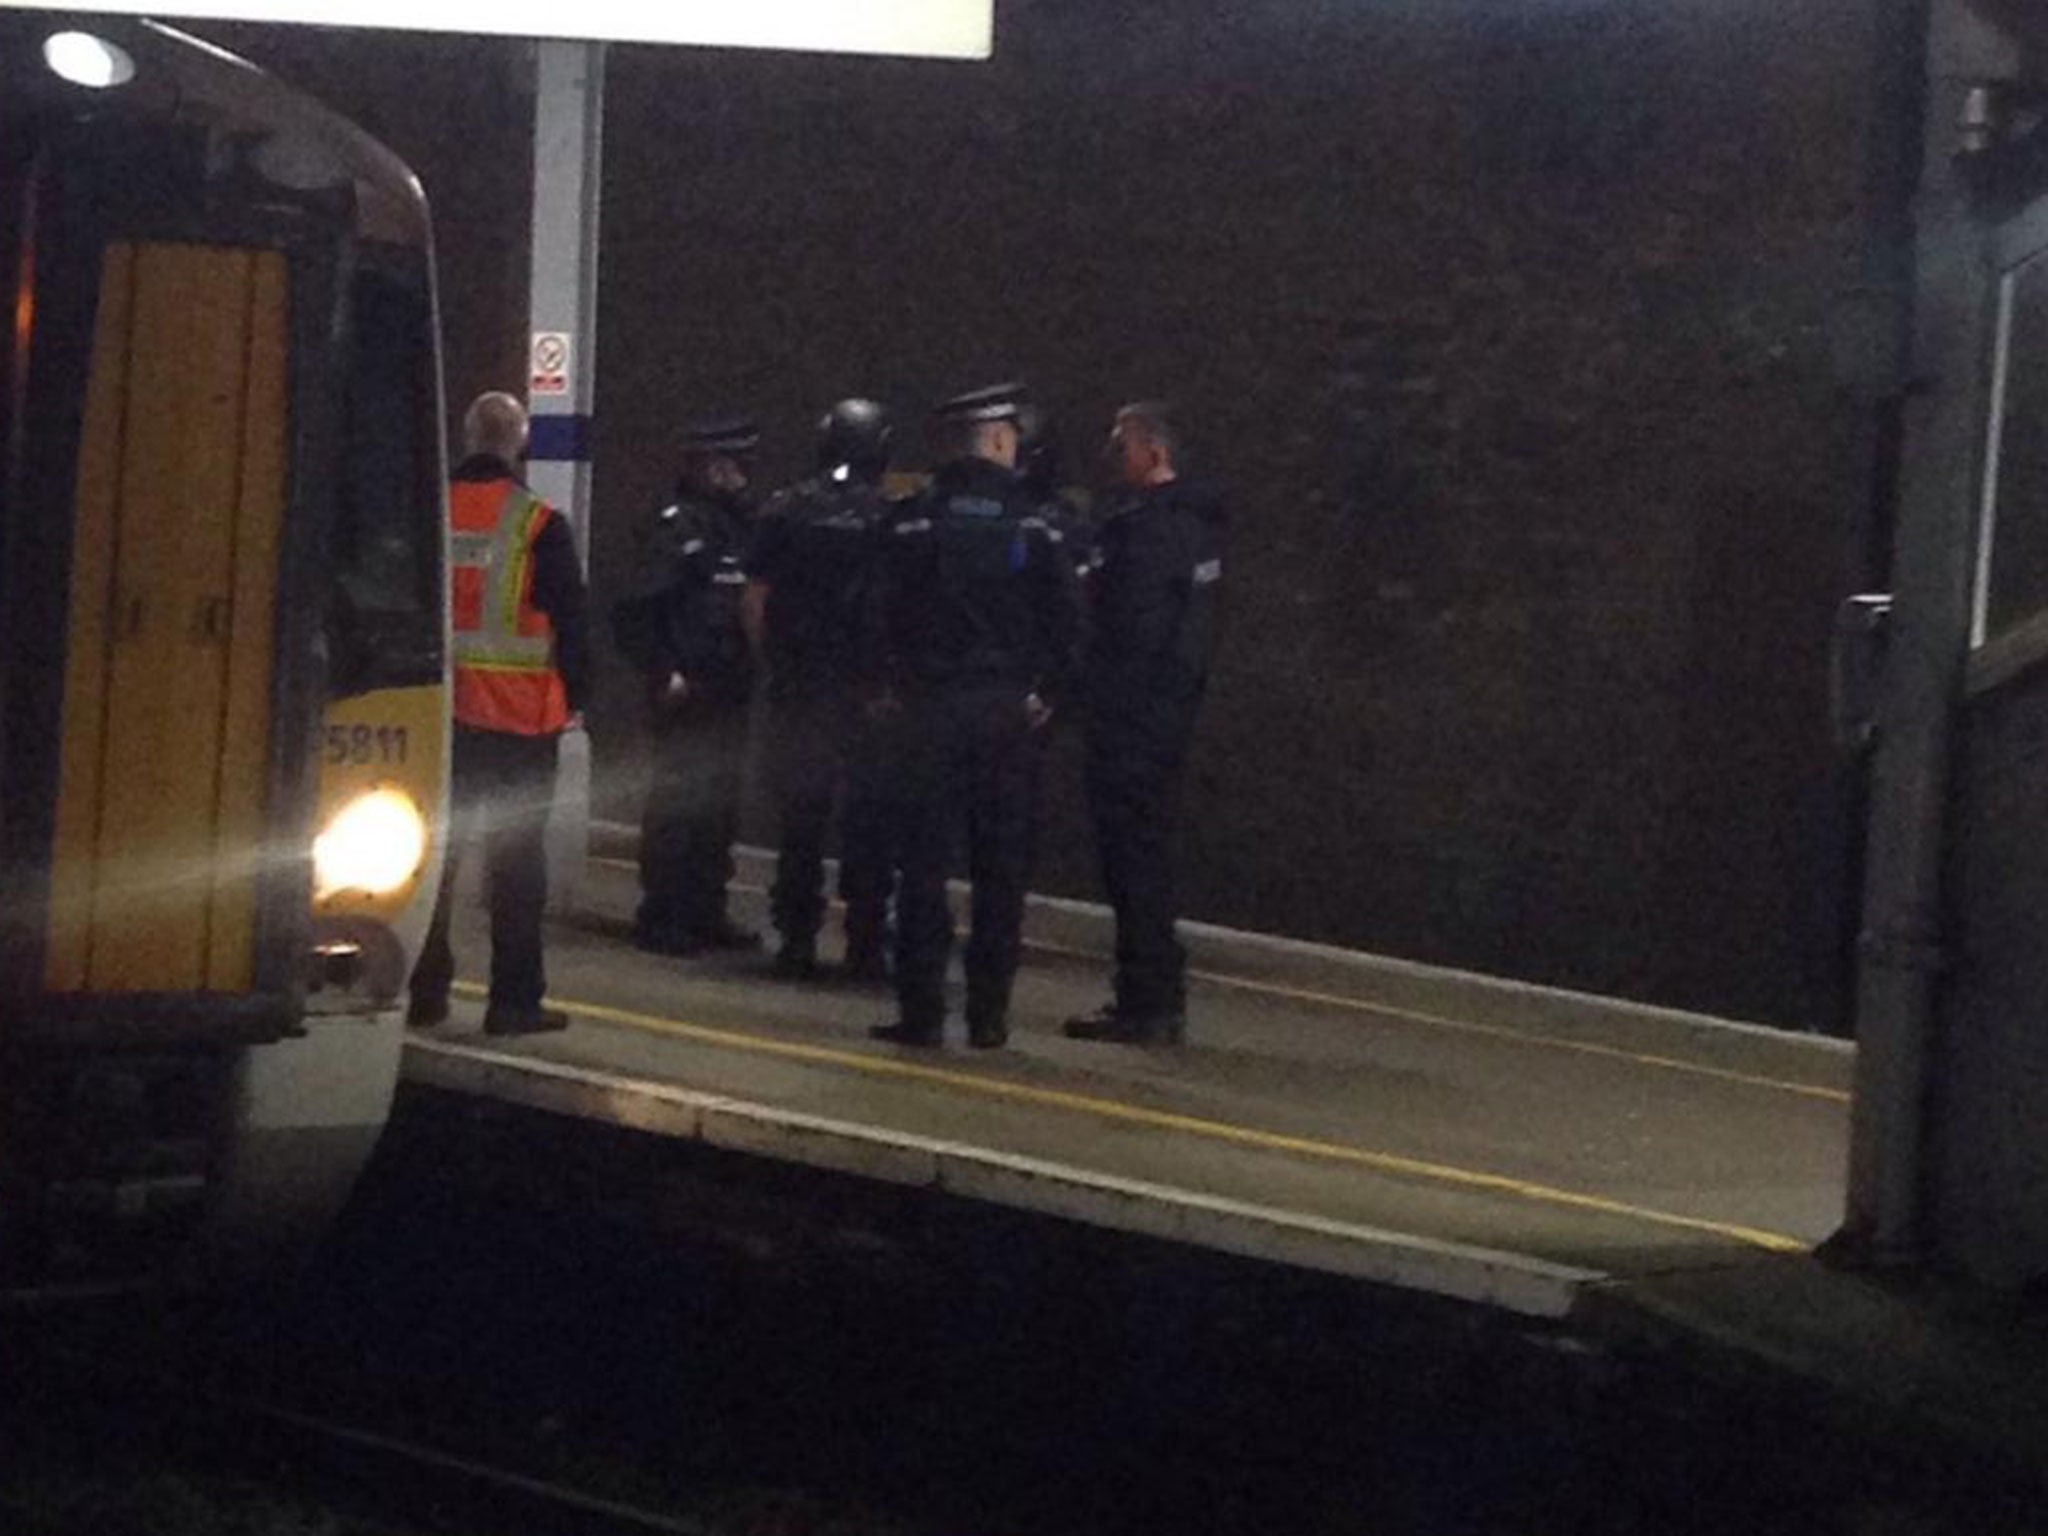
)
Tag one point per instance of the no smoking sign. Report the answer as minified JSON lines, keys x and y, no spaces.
{"x":550,"y":370}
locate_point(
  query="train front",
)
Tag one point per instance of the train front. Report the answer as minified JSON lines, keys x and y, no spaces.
{"x":223,"y":640}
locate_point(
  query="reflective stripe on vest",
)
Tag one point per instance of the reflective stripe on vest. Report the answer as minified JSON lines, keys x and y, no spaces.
{"x":504,"y":557}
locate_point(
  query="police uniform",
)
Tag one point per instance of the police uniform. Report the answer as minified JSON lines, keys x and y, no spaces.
{"x":812,"y":551}
{"x":686,"y":621}
{"x":1153,"y":595}
{"x":975,"y":614}
{"x":521,"y":669}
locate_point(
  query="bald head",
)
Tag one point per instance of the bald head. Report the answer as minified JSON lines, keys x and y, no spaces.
{"x":495,"y":424}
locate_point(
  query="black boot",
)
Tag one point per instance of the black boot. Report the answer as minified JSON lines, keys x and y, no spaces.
{"x":1121,"y":1026}
{"x":500,"y":1019}
{"x":988,"y":1034}
{"x":426,"y":1012}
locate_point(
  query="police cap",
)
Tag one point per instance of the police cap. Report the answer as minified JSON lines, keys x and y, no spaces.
{"x":998,"y":402}
{"x":720,"y":434}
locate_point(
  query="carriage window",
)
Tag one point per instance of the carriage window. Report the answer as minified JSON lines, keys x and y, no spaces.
{"x":2012,"y":571}
{"x":389,"y":525}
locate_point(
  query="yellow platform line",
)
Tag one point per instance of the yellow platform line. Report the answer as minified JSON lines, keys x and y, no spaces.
{"x":1492,"y":1031}
{"x":1166,"y":1120}
{"x":1431,"y":1020}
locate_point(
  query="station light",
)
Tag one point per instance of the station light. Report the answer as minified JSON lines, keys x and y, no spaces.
{"x":85,"y":60}
{"x":373,"y":845}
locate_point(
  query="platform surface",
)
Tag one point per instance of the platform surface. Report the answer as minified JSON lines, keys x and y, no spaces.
{"x":1638,"y":1170}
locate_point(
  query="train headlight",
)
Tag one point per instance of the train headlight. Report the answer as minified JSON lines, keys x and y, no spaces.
{"x":374,"y":844}
{"x":85,"y":60}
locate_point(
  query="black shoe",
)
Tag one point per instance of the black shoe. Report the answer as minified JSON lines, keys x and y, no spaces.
{"x":1119,"y":1027}
{"x":426,"y":1012}
{"x":988,"y":1036}
{"x":523,"y":1021}
{"x":797,"y":960}
{"x":724,"y":934}
{"x":901,"y":1033}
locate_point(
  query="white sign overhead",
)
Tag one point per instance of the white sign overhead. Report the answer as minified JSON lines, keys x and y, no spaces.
{"x":957,"y":29}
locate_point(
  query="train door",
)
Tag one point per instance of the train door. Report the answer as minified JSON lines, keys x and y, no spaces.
{"x":165,"y":720}
{"x":1991,"y":1164}
{"x":172,"y":393}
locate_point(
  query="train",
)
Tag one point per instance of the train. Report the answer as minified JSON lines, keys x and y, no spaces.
{"x":224,"y":729}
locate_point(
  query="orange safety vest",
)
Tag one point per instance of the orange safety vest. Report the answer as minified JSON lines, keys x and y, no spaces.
{"x":505,"y":677}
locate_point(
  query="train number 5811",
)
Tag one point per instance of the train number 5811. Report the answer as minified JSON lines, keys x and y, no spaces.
{"x":362,"y":745}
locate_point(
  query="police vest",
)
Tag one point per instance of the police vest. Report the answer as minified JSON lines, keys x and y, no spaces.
{"x":505,"y":679}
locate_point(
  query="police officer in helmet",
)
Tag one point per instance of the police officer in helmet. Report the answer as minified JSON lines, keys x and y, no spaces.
{"x":683,"y":631}
{"x":807,"y":573}
{"x":1040,"y":467}
{"x":973,"y":627}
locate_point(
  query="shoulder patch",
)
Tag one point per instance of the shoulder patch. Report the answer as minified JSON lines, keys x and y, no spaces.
{"x":974,"y":506}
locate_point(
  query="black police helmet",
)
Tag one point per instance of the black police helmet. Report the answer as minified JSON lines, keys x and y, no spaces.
{"x":1038,"y":448}
{"x":855,"y":433}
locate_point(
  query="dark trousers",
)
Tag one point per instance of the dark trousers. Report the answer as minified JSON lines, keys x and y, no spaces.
{"x":691,"y":817}
{"x":501,"y":786}
{"x":821,"y":750}
{"x":968,"y":760}
{"x":1134,"y":795}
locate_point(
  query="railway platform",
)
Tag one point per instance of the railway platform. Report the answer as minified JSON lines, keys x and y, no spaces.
{"x":1623,"y":1170}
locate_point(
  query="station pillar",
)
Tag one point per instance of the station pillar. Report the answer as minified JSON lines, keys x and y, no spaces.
{"x":568,"y":143}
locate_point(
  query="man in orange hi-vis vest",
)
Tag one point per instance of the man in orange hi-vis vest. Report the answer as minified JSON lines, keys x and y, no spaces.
{"x":521,"y":668}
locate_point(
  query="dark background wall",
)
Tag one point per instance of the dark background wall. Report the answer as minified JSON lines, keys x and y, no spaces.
{"x":1524,"y":337}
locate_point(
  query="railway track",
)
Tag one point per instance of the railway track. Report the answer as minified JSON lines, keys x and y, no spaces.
{"x":383,"y":1480}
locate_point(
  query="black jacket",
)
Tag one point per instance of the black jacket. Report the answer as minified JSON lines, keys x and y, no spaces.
{"x":973,"y":588}
{"x":684,"y":615}
{"x":813,"y":547}
{"x":1154,"y":592}
{"x":557,"y":585}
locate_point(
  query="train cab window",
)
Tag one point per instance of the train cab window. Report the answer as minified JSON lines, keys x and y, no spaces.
{"x":2012,"y":578}
{"x":388,"y":525}
{"x":390,"y":470}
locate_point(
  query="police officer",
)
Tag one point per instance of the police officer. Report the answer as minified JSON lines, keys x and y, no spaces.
{"x":683,"y":631}
{"x":1153,"y":601}
{"x":521,"y":667}
{"x":807,"y":572}
{"x":1040,"y":468}
{"x":973,"y":628}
